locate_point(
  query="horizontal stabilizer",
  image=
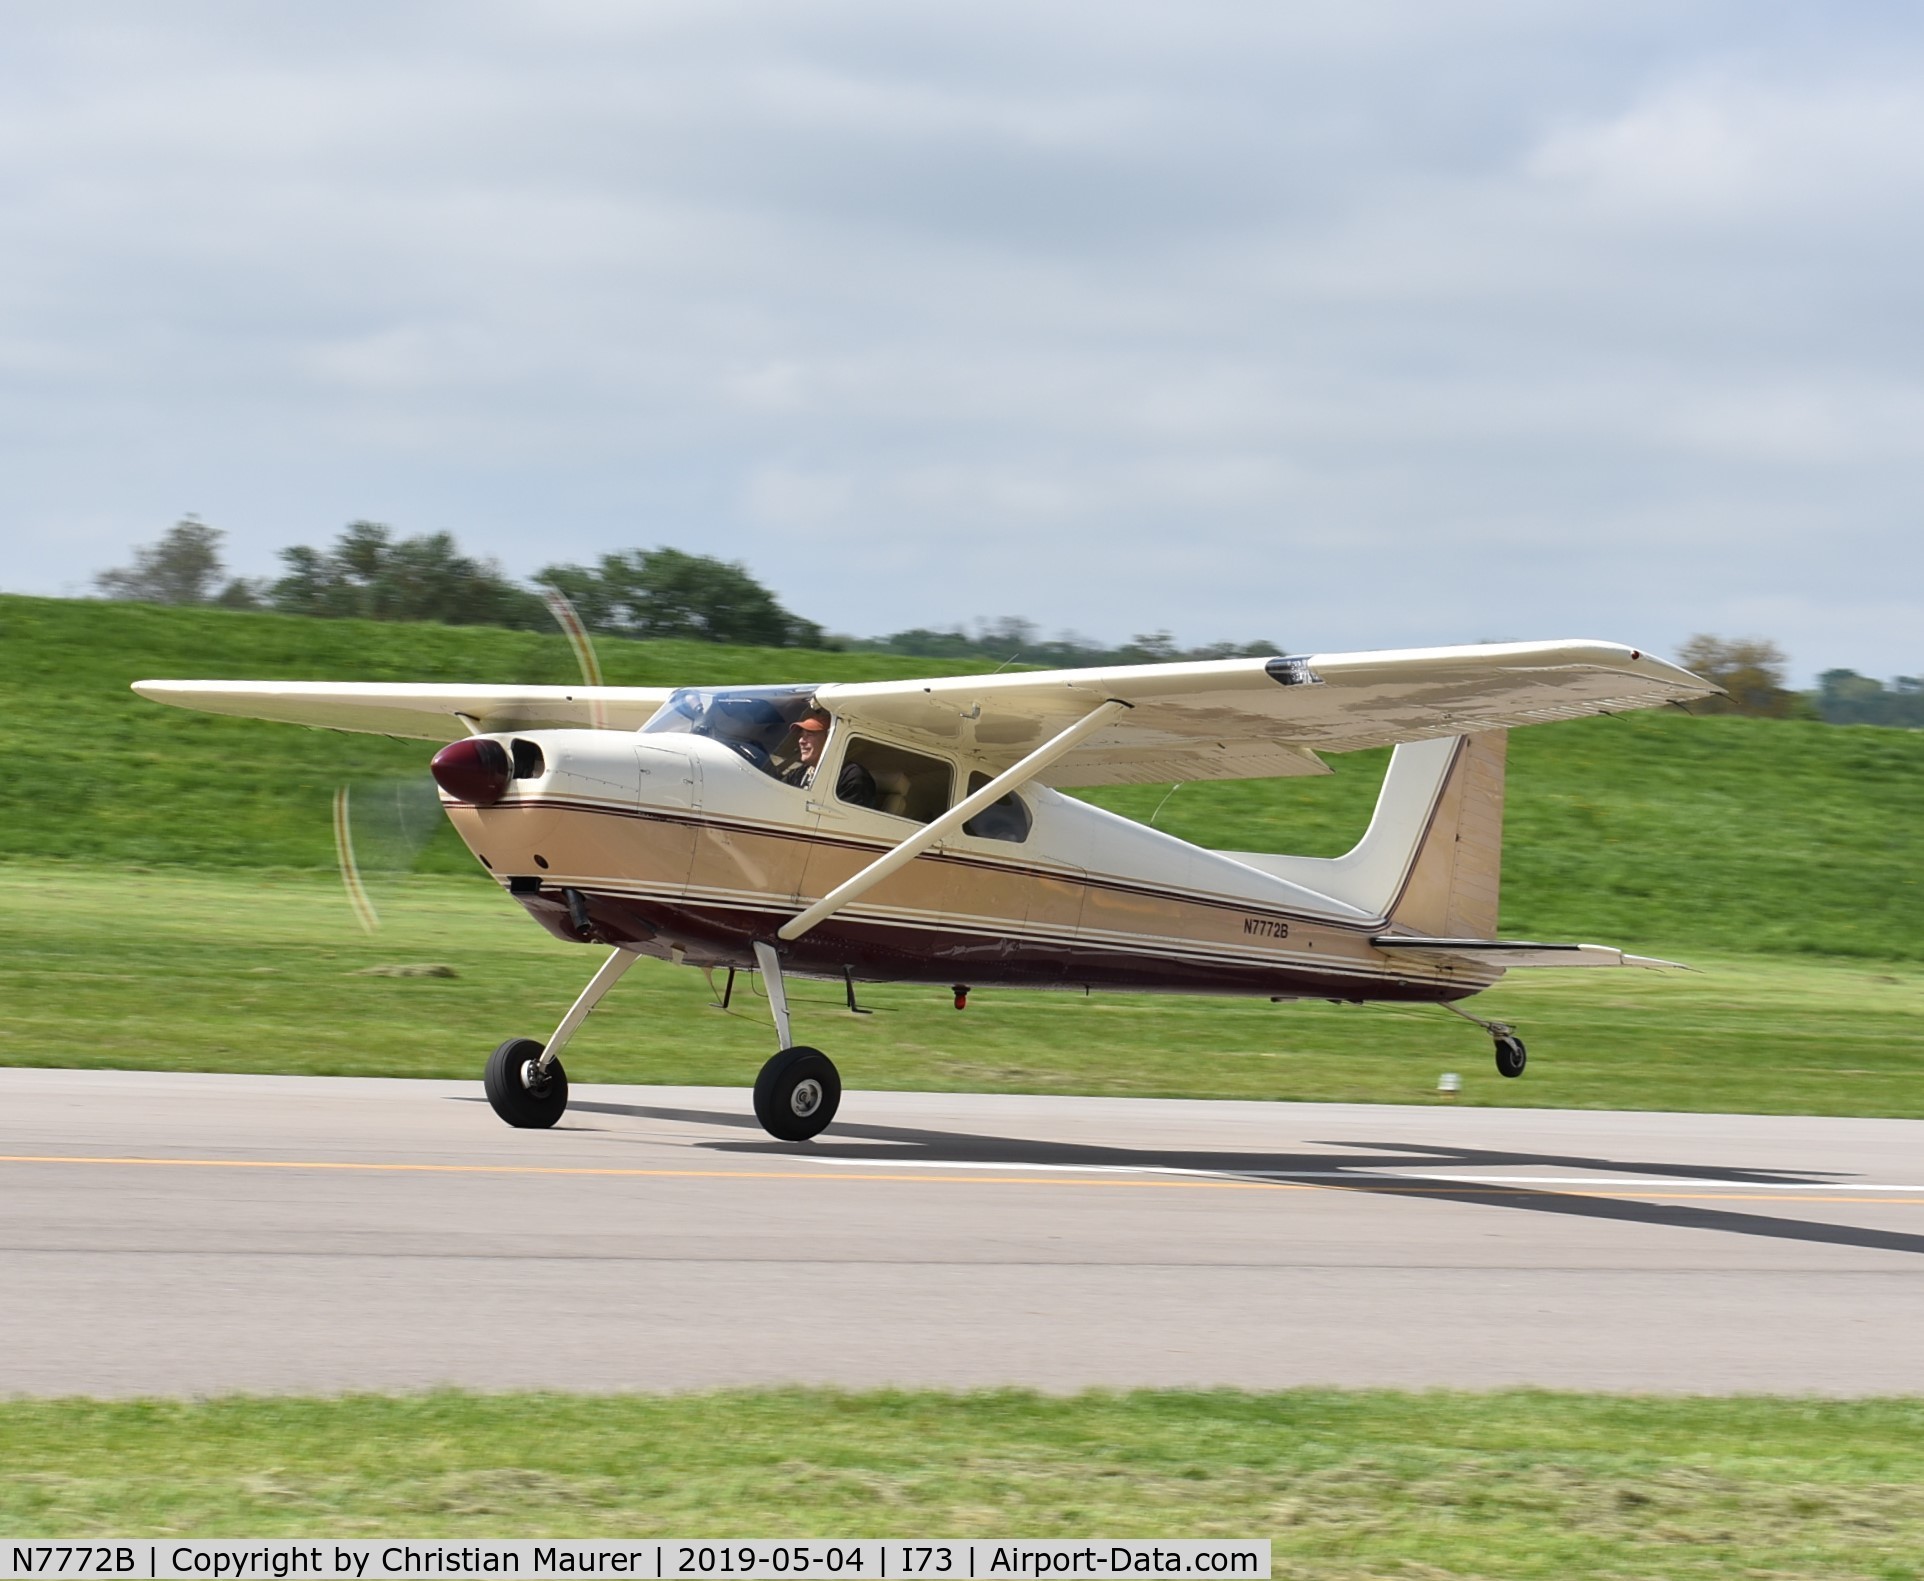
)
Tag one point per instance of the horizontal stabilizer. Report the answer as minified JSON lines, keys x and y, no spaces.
{"x":1517,"y":952}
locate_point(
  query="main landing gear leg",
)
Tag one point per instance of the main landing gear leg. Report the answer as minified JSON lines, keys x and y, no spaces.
{"x":798,"y":1091}
{"x":1511,"y":1055}
{"x":524,"y":1080}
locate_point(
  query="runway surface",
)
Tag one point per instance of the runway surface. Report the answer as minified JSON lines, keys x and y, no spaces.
{"x":201,"y":1234}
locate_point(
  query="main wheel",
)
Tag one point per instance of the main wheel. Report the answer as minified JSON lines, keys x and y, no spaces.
{"x":1510,"y":1056}
{"x":797,"y":1093}
{"x":524,"y":1097}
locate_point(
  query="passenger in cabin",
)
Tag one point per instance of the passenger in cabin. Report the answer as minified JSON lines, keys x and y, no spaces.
{"x":854,"y":784}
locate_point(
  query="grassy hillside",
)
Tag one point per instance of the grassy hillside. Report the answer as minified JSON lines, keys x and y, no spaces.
{"x":1655,"y":830}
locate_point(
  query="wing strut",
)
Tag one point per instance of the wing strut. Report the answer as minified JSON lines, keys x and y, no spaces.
{"x":950,"y":821}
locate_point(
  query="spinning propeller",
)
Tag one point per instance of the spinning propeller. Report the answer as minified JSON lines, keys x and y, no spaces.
{"x":381,"y":826}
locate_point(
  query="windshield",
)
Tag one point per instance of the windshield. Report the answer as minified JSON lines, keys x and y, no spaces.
{"x":754,"y":720}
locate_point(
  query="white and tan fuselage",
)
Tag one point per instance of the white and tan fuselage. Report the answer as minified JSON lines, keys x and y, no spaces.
{"x":675,"y":846}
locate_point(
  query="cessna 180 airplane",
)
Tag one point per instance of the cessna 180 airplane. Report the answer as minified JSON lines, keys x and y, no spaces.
{"x":915,"y":831}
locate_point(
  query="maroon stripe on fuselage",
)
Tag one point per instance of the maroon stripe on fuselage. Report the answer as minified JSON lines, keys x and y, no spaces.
{"x":916,"y":952}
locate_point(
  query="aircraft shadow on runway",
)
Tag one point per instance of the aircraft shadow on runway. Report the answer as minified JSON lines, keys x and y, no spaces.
{"x":910,"y":1145}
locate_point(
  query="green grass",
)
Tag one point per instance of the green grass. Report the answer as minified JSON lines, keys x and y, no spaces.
{"x":1736,"y":835}
{"x":1783,"y":857}
{"x":261,"y":972}
{"x":1346,"y":1484}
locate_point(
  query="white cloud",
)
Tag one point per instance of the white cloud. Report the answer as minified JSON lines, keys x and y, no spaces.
{"x":1340,"y":325}
{"x":1726,"y":148}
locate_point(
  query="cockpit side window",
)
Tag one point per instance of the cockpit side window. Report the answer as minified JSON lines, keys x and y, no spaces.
{"x":757,"y":722}
{"x":1005,"y":818}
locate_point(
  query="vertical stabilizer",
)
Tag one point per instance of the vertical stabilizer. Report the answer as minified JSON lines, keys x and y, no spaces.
{"x":1430,"y":861}
{"x":1451,"y":887}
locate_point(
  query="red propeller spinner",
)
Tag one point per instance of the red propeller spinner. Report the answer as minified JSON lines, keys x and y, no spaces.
{"x":476,"y":770}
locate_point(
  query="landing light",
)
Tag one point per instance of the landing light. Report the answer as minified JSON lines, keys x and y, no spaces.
{"x":476,"y":770}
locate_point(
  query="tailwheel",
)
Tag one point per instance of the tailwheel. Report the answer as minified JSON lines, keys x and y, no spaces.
{"x":521,"y":1092}
{"x":797,"y":1093}
{"x":1510,"y":1056}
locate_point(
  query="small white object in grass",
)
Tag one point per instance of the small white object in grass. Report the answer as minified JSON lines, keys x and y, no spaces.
{"x":1449,"y":1084}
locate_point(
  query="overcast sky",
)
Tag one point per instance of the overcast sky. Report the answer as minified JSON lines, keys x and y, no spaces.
{"x":1348,"y":325}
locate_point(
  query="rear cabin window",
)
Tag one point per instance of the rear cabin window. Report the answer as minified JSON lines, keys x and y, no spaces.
{"x":891,"y":780}
{"x":1005,"y":818}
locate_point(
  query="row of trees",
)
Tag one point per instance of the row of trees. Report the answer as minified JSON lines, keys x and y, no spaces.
{"x":666,"y":593}
{"x":369,"y":574}
{"x":183,"y":568}
{"x":1752,"y":673}
{"x":1844,"y":697}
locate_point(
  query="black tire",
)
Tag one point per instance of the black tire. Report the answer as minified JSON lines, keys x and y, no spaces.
{"x":527,"y":1108}
{"x":1511,"y":1056}
{"x":797,"y":1094}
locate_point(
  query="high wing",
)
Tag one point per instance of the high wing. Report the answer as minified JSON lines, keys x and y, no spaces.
{"x":425,"y":713}
{"x":1254,"y":718}
{"x":1223,"y":719}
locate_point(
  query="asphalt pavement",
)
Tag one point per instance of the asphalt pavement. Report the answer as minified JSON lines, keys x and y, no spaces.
{"x":194,"y":1234}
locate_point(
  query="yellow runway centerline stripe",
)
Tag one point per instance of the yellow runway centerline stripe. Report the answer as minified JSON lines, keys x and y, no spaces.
{"x":397,"y":1166}
{"x":1360,"y":1186}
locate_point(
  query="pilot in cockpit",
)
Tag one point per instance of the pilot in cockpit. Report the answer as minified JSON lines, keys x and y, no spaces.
{"x":854,"y":785}
{"x":811,"y":732}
